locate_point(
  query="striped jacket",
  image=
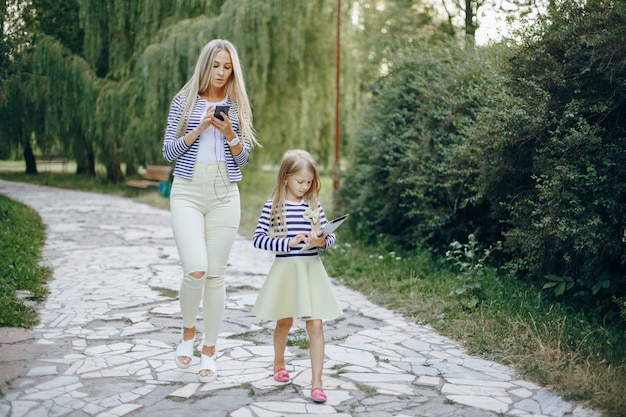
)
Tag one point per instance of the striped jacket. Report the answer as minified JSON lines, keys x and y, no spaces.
{"x":295,"y":224}
{"x":175,"y":148}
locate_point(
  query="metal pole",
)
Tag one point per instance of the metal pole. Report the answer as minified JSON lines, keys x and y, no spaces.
{"x":337,"y":74}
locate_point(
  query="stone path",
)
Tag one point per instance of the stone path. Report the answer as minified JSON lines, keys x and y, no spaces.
{"x":108,"y":329}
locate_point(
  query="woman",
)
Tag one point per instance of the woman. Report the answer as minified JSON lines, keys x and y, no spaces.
{"x":209,"y":149}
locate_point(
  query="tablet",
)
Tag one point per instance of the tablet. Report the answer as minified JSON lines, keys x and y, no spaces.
{"x":330,"y":227}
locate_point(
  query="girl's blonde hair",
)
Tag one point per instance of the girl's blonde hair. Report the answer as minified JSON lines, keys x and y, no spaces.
{"x":293,"y":162}
{"x":235,"y":89}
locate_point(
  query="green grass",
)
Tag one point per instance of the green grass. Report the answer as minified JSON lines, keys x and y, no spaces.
{"x":22,"y":279}
{"x":512,"y":323}
{"x":506,"y":321}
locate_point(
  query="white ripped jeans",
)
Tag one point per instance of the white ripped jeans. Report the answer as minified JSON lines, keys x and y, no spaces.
{"x":205,"y":214}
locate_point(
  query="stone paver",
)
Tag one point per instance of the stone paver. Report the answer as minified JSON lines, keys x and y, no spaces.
{"x":108,"y":330}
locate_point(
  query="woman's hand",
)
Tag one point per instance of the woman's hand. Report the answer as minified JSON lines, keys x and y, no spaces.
{"x":207,"y":119}
{"x":205,"y":122}
{"x":225,"y":127}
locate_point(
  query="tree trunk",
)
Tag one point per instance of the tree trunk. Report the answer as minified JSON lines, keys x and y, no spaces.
{"x":131,"y":169}
{"x":86,"y":162}
{"x":470,"y":28}
{"x":114,"y":171}
{"x":29,"y":158}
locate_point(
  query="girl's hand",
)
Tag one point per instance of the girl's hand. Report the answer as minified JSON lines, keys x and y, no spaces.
{"x":318,"y":241}
{"x":296,"y":240}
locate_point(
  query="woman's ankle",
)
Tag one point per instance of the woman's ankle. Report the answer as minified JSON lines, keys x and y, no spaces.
{"x":208,"y":350}
{"x":189,"y":333}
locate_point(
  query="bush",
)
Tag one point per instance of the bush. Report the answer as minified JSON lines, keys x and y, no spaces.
{"x":555,"y":140}
{"x":523,"y":143}
{"x":406,"y":180}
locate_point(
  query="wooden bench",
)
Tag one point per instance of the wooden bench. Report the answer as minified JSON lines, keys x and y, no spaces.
{"x":154,"y":176}
{"x":52,"y":159}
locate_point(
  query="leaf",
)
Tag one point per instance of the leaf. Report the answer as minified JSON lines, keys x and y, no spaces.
{"x":596,"y":287}
{"x":560,"y":289}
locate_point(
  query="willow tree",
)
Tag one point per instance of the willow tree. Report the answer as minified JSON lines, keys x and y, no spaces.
{"x":108,"y":106}
{"x":45,"y":102}
{"x":287,"y":49}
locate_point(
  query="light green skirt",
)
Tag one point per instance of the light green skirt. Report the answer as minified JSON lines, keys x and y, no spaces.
{"x":297,"y":287}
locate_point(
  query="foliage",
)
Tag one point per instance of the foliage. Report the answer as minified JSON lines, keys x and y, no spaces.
{"x":409,"y":21}
{"x":137,"y":54}
{"x":48,"y":84}
{"x":555,"y":139}
{"x":59,"y":19}
{"x":520,"y":143}
{"x":471,"y":266}
{"x":13,"y":36}
{"x":470,"y":12}
{"x":406,"y":179}
{"x":514,"y":323}
{"x":21,"y":239}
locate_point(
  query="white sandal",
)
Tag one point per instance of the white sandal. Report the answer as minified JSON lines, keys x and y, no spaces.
{"x":184,"y":349}
{"x":207,"y":363}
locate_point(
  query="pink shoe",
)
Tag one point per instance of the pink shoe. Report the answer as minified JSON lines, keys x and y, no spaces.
{"x":318,"y":396}
{"x":281,"y":375}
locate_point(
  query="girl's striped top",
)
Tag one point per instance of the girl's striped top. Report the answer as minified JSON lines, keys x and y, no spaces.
{"x":175,"y":148}
{"x":295,"y":224}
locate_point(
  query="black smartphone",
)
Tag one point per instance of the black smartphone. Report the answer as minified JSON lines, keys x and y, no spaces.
{"x":219,"y":110}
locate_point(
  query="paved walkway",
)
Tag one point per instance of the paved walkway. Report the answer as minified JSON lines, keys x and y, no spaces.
{"x":108,"y":329}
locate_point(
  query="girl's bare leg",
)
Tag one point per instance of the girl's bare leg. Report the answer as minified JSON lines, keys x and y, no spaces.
{"x":315,"y":331}
{"x":281,"y":332}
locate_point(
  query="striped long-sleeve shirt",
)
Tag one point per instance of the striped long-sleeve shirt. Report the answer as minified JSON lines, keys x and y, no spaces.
{"x":295,"y":224}
{"x":175,"y":148}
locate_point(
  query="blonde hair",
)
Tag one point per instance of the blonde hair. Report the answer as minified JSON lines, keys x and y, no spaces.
{"x":235,"y":89}
{"x":293,"y":162}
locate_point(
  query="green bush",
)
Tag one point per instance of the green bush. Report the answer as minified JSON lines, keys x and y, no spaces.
{"x":524,"y":143}
{"x":555,"y":140}
{"x":405,"y":179}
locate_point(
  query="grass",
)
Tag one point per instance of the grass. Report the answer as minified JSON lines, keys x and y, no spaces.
{"x":22,"y":279}
{"x":511,"y":322}
{"x":506,"y":321}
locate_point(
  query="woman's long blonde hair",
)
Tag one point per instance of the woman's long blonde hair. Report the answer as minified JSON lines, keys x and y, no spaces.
{"x":293,"y":161}
{"x":235,"y":89}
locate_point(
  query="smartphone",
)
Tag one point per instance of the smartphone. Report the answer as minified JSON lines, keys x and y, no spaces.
{"x":219,"y":110}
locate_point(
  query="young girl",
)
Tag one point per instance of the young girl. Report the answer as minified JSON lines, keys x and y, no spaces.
{"x":297,"y":285}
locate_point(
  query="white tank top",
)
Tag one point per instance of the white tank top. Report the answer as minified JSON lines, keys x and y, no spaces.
{"x":211,"y":142}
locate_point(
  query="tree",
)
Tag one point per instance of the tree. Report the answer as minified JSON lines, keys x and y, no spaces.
{"x":471,"y":13}
{"x":59,"y":19}
{"x":15,"y":21}
{"x":406,"y":180}
{"x":138,"y":53}
{"x":384,"y":28}
{"x":555,"y":139}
